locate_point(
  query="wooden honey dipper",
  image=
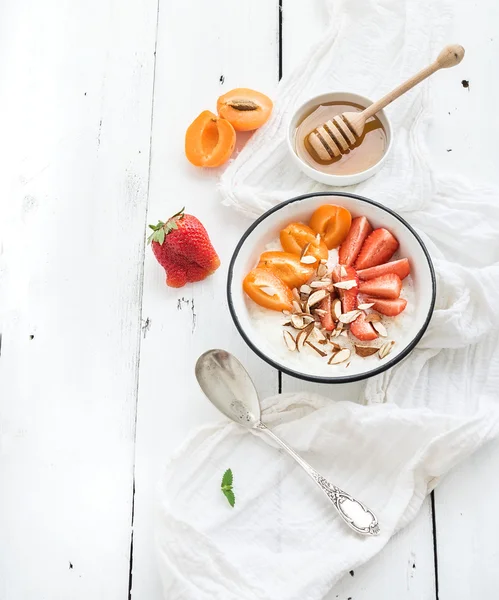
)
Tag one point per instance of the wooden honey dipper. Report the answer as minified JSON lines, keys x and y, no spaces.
{"x":339,"y":134}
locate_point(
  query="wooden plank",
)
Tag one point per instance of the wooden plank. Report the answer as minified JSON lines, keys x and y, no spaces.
{"x":390,"y":574}
{"x":203,"y":50}
{"x":75,"y":112}
{"x":465,"y":501}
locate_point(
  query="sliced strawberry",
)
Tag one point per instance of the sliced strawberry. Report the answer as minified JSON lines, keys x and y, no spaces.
{"x":327,"y":319}
{"x":401,"y":267}
{"x":352,"y":244}
{"x":378,"y":248}
{"x":362,"y":329}
{"x":390,"y":308}
{"x":387,"y":286}
{"x":348,"y":297}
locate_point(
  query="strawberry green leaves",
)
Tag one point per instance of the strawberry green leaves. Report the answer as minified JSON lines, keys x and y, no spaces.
{"x":162,"y":229}
{"x":226,"y":487}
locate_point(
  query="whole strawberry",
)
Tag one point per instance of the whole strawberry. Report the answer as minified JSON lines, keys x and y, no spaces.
{"x":182,"y":247}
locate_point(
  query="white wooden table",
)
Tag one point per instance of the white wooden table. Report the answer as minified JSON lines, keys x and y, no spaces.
{"x":97,"y":355}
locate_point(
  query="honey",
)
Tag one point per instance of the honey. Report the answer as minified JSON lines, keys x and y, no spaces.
{"x":365,"y":153}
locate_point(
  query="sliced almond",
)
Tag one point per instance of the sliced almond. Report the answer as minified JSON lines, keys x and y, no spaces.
{"x":305,"y":289}
{"x":319,"y":284}
{"x":366,"y":306}
{"x":365,"y":350}
{"x":318,"y":335}
{"x":321,"y":270}
{"x":336,"y":309}
{"x":340,"y":357}
{"x":297,"y":306}
{"x":270,"y":291}
{"x":323,"y":261}
{"x":343,"y":271}
{"x":304,"y":250}
{"x":286,"y":312}
{"x":346,"y":285}
{"x":316,"y":297}
{"x":336,"y":347}
{"x":349,"y":317}
{"x":318,"y":350}
{"x":344,"y":333}
{"x":380,"y":328}
{"x":289,"y":340}
{"x":297,"y":322}
{"x":320,"y":312}
{"x":308,"y":260}
{"x":373,"y":317}
{"x":385,"y":349}
{"x":296,"y":294}
{"x":302,"y":337}
{"x":307,"y":317}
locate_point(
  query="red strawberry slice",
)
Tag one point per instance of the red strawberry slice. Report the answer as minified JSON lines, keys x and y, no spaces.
{"x":378,"y":248}
{"x":390,"y":308}
{"x":401,"y":267}
{"x":359,"y":230}
{"x":348,"y":297}
{"x":362,"y":329}
{"x":327,"y":320}
{"x":387,"y":286}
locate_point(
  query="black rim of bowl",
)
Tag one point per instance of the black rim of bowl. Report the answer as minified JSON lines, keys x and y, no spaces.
{"x":319,"y":378}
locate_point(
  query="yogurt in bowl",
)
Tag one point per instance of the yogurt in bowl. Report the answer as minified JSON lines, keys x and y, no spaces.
{"x":340,"y":311}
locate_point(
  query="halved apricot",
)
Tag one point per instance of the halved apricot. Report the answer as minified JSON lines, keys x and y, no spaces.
{"x":332,"y":223}
{"x":246,"y":109}
{"x":287,"y":267}
{"x":297,"y":237}
{"x":209,"y":140}
{"x":267,"y":290}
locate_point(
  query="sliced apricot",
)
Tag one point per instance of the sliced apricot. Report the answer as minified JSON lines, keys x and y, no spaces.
{"x":209,"y":140}
{"x":267,"y":290}
{"x":298,"y":238}
{"x":332,"y":223}
{"x":246,"y":109}
{"x":287,"y":267}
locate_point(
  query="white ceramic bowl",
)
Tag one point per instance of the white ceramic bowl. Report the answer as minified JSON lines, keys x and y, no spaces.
{"x":329,"y":179}
{"x":267,"y":227}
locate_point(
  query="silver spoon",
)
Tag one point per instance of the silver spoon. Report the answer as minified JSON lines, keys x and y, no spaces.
{"x":228,"y":386}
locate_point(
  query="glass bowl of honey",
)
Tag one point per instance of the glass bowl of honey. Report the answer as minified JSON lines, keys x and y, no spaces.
{"x":360,"y":162}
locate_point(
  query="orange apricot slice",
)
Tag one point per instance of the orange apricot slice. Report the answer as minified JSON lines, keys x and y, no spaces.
{"x":209,"y":140}
{"x":267,"y":290}
{"x":246,"y":109}
{"x":287,"y":267}
{"x":332,"y":223}
{"x":298,"y":238}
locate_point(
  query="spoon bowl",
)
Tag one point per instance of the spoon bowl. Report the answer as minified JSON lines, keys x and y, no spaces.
{"x":228,"y":386}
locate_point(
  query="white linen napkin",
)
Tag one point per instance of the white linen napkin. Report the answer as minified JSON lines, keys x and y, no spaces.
{"x":414,"y":422}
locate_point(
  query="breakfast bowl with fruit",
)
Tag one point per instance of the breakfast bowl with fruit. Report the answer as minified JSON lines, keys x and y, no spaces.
{"x":331,"y":287}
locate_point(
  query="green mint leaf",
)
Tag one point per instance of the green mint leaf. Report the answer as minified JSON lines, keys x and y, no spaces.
{"x":227,"y":479}
{"x":231,"y":499}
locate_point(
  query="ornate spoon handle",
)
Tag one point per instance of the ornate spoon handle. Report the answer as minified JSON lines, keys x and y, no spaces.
{"x":354,"y":513}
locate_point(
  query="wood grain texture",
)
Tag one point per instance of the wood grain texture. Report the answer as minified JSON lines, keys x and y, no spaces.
{"x":230,"y":44}
{"x":75,"y":113}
